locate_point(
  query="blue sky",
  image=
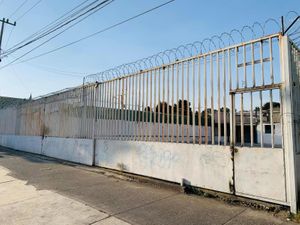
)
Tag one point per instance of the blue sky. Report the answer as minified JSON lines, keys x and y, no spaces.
{"x":177,"y":23}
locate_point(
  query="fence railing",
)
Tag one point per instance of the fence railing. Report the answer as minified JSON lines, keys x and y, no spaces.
{"x":188,"y":101}
{"x":229,"y":95}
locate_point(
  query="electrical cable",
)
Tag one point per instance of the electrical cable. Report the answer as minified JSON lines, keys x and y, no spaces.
{"x":98,"y":32}
{"x":22,"y":4}
{"x":90,"y":11}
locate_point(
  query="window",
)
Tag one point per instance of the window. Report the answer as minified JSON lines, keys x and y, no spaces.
{"x":268,"y":129}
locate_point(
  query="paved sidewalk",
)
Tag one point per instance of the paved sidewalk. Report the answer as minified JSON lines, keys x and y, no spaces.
{"x":38,"y":190}
{"x":24,"y":204}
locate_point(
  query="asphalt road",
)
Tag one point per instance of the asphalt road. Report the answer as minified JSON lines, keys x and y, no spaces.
{"x":105,"y":198}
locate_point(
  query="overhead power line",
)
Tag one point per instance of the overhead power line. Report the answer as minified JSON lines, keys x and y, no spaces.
{"x":22,"y":4}
{"x":89,"y":12}
{"x":98,"y":32}
{"x":49,"y":25}
{"x":27,"y":11}
{"x":20,"y":17}
{"x":107,"y":3}
{"x":58,"y":22}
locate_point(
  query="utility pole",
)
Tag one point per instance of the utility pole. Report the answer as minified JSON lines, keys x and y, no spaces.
{"x":4,"y":21}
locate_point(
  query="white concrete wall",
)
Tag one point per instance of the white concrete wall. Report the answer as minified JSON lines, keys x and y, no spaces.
{"x":201,"y":165}
{"x":70,"y":149}
{"x":260,"y":173}
{"x":32,"y":144}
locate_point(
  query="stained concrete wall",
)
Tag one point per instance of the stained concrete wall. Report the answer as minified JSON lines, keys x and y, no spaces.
{"x":260,"y":174}
{"x":200,"y":165}
{"x":70,"y":149}
{"x":32,"y":144}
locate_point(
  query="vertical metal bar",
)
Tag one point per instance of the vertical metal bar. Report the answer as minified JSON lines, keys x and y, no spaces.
{"x":229,"y":69}
{"x":158,"y":105}
{"x":182,"y":104}
{"x":261,"y":120}
{"x":124,"y":108}
{"x":205,"y":101}
{"x":251,"y":96}
{"x":90,"y":111}
{"x":105,"y":89}
{"x":237,"y":68}
{"x":98,"y":111}
{"x":172,"y":105}
{"x":94,"y":107}
{"x":142,"y":126}
{"x":219,"y":99}
{"x":121,"y":113}
{"x":199,"y":102}
{"x":260,"y":93}
{"x":137,"y":107}
{"x":110,"y":109}
{"x":128,"y":112}
{"x":253,"y":65}
{"x":147,"y":111}
{"x":116,"y":98}
{"x":95,"y":112}
{"x":103,"y":111}
{"x":251,"y":120}
{"x":262,"y":63}
{"x":224,"y":100}
{"x":132,"y":111}
{"x":168,"y":106}
{"x":109,"y":114}
{"x":237,"y":82}
{"x":134,"y":106}
{"x":271,"y":92}
{"x":242,"y":119}
{"x":116,"y":109}
{"x":271,"y":118}
{"x":151,"y":108}
{"x":193,"y":113}
{"x":139,"y":76}
{"x":212,"y":100}
{"x":242,"y":97}
{"x":245,"y":67}
{"x":163,"y":104}
{"x":177,"y":108}
{"x":188,"y":102}
{"x":232,"y":120}
{"x":154,"y":107}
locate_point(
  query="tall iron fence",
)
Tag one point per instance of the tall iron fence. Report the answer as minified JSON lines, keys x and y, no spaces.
{"x":229,"y":95}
